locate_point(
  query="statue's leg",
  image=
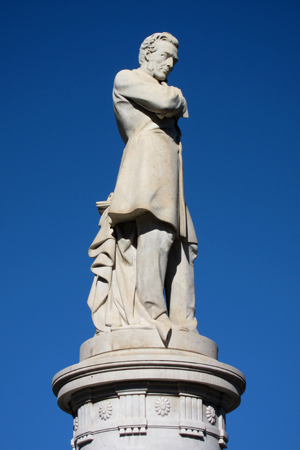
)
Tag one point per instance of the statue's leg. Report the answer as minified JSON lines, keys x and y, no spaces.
{"x":180,"y":286}
{"x":154,"y":240}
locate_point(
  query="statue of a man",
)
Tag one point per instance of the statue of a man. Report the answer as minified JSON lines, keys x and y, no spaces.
{"x":146,"y":246}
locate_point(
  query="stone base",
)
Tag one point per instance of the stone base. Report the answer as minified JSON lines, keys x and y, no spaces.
{"x":140,"y":398}
{"x":135,"y":337}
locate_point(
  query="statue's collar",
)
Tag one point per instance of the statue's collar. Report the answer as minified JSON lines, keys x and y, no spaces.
{"x":147,"y":76}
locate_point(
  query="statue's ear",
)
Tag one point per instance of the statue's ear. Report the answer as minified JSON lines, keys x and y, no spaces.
{"x":147,"y":55}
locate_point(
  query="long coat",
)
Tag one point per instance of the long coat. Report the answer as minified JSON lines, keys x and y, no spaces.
{"x":150,"y":176}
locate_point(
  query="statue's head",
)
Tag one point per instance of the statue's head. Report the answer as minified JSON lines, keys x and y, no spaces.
{"x":158,"y":55}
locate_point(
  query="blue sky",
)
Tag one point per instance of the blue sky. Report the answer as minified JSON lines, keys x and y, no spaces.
{"x":60,"y":152}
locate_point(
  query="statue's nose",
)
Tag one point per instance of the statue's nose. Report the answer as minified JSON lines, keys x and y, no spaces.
{"x":170,"y":62}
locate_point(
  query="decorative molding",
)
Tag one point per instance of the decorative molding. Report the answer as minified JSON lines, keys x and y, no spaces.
{"x":84,"y":439}
{"x":191,"y":431}
{"x":223,"y":439}
{"x":84,"y":414}
{"x":105,"y":410}
{"x":191,"y":416}
{"x":75,"y":424}
{"x":130,"y":431}
{"x":211,"y":414}
{"x":133,"y":412}
{"x":162,"y":406}
{"x":82,"y":425}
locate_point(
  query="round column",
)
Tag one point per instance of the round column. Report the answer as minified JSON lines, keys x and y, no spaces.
{"x":130,"y":391}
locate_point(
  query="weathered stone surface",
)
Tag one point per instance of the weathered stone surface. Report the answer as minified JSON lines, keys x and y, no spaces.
{"x":145,"y":250}
{"x":136,"y":338}
{"x":142,"y":397}
{"x":147,"y":379}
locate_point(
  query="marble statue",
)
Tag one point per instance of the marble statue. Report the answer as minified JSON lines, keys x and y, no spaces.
{"x":147,"y":379}
{"x":145,"y":249}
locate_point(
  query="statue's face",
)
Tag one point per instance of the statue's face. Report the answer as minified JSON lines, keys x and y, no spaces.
{"x":163,"y":60}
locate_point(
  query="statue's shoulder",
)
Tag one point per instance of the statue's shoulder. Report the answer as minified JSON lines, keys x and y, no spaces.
{"x":124,"y":76}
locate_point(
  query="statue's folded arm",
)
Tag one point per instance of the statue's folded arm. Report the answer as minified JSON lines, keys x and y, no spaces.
{"x":153,"y":96}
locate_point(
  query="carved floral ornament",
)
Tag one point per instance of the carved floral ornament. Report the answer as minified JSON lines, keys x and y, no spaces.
{"x":162,"y":406}
{"x":105,"y":410}
{"x":211,"y":415}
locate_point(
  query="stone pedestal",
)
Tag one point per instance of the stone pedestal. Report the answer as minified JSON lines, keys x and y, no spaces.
{"x":129,"y":391}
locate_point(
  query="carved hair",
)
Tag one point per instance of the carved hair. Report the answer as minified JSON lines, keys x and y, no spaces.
{"x":150,"y":44}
